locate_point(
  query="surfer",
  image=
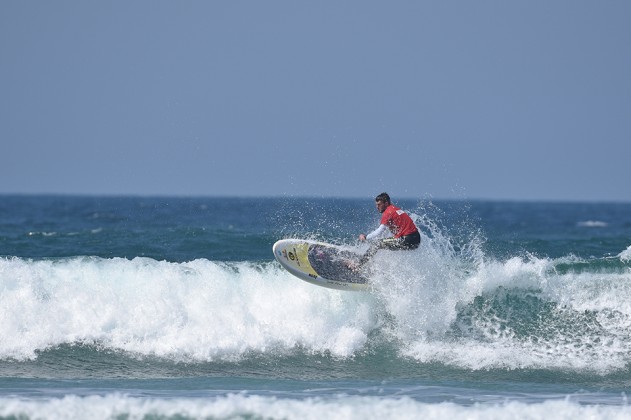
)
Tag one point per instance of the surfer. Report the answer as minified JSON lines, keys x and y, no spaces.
{"x":406,"y":235}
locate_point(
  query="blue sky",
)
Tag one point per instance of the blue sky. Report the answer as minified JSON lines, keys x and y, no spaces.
{"x":518,"y":100}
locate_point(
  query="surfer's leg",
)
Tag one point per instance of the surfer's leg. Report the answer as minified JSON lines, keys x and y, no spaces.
{"x":411,"y":241}
{"x":407,"y":242}
{"x":392,"y":244}
{"x":374,"y":247}
{"x":368,"y":254}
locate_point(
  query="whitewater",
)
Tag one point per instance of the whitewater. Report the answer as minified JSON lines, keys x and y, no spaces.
{"x":203,"y":311}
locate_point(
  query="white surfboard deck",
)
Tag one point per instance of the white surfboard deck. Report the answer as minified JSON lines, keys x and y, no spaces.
{"x":320,"y":263}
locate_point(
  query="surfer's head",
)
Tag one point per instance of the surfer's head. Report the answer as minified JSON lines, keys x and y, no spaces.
{"x":383,"y":197}
{"x":382,"y":201}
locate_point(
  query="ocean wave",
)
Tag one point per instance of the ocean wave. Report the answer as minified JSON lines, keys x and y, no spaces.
{"x":200,"y":310}
{"x":438,"y":304}
{"x":234,"y":406}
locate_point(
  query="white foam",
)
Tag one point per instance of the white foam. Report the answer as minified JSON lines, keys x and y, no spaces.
{"x":593,"y":224}
{"x":625,"y":256}
{"x":204,"y":310}
{"x":201,"y":310}
{"x":244,"y":406}
{"x":424,"y":291}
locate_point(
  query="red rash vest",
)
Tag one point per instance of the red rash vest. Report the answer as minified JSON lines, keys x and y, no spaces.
{"x":398,"y":221}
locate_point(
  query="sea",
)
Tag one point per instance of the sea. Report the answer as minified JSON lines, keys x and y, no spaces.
{"x":174,"y":308}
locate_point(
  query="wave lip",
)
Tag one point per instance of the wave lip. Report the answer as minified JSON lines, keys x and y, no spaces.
{"x":625,"y":256}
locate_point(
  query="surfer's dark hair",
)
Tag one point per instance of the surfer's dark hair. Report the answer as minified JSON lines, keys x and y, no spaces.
{"x":383,"y":197}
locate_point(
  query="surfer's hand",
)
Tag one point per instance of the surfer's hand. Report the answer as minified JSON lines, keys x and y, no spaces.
{"x":362,"y":237}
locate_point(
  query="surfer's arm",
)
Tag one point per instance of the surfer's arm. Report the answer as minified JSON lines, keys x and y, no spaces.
{"x":375,"y":233}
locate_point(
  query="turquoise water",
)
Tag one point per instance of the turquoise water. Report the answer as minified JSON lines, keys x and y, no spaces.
{"x":135,"y":307}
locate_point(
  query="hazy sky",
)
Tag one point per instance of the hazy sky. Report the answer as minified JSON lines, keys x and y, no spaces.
{"x":444,"y":99}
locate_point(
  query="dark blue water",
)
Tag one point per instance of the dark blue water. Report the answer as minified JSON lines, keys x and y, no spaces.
{"x":166,"y":307}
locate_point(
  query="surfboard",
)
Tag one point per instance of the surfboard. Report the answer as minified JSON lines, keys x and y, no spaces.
{"x":320,"y":263}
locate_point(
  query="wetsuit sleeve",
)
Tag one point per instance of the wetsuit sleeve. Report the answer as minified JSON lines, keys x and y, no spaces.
{"x":375,"y":233}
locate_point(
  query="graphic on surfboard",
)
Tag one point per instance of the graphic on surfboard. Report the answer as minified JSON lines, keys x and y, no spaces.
{"x":319,"y":263}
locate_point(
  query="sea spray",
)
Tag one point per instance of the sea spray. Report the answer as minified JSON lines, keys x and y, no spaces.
{"x":422,"y":288}
{"x":451,"y":303}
